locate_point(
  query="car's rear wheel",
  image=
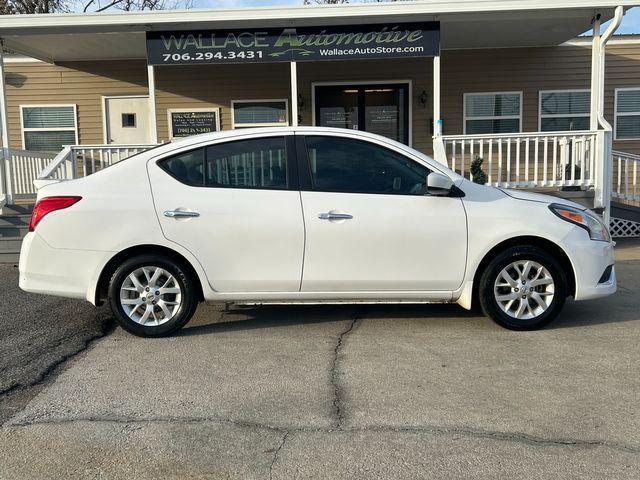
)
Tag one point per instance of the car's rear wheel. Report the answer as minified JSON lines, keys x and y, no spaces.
{"x":523,"y":288}
{"x":152,"y":296}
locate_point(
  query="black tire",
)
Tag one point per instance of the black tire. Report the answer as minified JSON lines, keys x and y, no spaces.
{"x":184,"y":310}
{"x":490,"y":305}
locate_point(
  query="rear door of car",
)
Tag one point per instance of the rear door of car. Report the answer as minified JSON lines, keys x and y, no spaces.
{"x":235,"y":205}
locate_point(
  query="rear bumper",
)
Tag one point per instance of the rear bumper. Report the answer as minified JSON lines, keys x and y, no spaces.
{"x":56,"y":271}
{"x":590,"y":260}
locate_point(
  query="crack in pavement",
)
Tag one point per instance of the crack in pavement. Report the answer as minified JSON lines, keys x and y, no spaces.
{"x":333,"y":375}
{"x":275,"y":454}
{"x":44,"y":374}
{"x":435,"y":430}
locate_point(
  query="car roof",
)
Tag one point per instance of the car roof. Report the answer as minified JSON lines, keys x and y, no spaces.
{"x":202,"y":139}
{"x":196,"y":139}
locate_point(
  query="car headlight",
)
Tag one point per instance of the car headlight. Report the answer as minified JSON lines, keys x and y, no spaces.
{"x":586,"y":219}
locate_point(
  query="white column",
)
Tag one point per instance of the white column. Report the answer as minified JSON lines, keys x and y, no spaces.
{"x":595,"y":74}
{"x":437,"y":121}
{"x":151,"y":81}
{"x":5,"y":164}
{"x":294,"y":94}
{"x":439,"y":150}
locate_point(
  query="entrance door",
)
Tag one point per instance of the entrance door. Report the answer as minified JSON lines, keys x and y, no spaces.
{"x":375,"y":108}
{"x":127,"y":120}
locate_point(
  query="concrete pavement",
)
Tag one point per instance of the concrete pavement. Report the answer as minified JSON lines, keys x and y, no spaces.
{"x":347,"y":392}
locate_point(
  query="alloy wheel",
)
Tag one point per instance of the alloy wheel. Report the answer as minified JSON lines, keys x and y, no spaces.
{"x":524,"y":289}
{"x":150,"y":296}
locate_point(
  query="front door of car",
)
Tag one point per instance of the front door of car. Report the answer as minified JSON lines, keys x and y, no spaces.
{"x":370,"y":226}
{"x":235,"y":205}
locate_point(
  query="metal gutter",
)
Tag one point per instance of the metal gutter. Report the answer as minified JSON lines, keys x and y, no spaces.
{"x":145,"y":20}
{"x":617,"y":19}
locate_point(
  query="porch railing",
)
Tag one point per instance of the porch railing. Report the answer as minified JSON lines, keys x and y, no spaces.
{"x":22,"y":168}
{"x":625,"y":176}
{"x":536,"y":159}
{"x":82,"y":160}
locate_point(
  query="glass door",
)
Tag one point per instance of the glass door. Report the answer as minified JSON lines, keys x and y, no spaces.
{"x":375,"y":108}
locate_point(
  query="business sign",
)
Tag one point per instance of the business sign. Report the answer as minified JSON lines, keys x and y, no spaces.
{"x":185,"y":122}
{"x":418,"y":39}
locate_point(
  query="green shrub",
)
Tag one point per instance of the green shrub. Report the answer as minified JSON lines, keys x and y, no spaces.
{"x":476,"y":171}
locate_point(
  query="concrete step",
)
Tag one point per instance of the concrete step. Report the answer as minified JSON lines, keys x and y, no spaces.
{"x":9,"y":257}
{"x":17,"y":209}
{"x":10,"y":245}
{"x":14,"y":220}
{"x":13,"y":231}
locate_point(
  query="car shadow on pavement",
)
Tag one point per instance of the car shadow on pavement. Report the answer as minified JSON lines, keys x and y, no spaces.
{"x":624,"y":306}
{"x":273,"y":316}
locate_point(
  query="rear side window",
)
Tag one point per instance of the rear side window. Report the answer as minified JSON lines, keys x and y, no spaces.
{"x":186,"y":167}
{"x":256,"y":163}
{"x":355,"y":166}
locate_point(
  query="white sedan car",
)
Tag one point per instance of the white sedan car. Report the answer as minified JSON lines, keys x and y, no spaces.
{"x":307,"y":215}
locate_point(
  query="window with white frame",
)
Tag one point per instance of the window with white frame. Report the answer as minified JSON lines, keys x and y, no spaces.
{"x":495,"y":112}
{"x":627,"y":113}
{"x":47,"y":128}
{"x":259,"y":113}
{"x":564,"y":110}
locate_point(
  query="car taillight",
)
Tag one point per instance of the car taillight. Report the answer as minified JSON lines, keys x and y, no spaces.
{"x":48,"y":205}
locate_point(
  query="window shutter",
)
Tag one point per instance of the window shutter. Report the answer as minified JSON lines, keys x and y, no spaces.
{"x":628,"y":114}
{"x":259,"y":113}
{"x":565,"y":103}
{"x":48,"y":117}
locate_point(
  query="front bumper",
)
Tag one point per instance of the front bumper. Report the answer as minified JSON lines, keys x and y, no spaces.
{"x":56,"y":271}
{"x":590,"y":259}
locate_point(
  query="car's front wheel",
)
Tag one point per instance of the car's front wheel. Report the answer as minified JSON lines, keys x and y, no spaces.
{"x":523,"y":288}
{"x":152,"y":296}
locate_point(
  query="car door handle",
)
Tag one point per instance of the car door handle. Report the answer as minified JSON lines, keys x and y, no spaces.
{"x":332,"y":215}
{"x":180,"y":214}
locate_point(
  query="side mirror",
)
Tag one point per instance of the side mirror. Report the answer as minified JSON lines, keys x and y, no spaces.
{"x":439,"y":184}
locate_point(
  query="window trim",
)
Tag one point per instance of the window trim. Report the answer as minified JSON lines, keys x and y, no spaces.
{"x":170,"y":111}
{"x":490,"y":117}
{"x":48,"y":129}
{"x":625,"y":114}
{"x":235,"y":125}
{"x":560,"y":115}
{"x":135,"y":120}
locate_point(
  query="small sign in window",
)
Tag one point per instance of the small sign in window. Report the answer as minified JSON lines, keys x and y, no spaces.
{"x":129,"y":120}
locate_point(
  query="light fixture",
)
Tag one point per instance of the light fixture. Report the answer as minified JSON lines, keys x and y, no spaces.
{"x":300,"y":101}
{"x":423,"y":99}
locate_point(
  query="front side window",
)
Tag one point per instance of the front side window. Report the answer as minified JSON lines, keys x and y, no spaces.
{"x":259,"y":113}
{"x":48,"y":128}
{"x":566,"y":110}
{"x":628,"y":113}
{"x":486,"y":113}
{"x":354,"y":166}
{"x":255,"y":163}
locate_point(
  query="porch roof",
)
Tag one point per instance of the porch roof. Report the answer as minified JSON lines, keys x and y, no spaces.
{"x":464,"y":24}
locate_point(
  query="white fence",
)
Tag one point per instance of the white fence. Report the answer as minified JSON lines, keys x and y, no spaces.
{"x":22,"y":168}
{"x":82,"y":160}
{"x":554,"y":159}
{"x":625,"y":176}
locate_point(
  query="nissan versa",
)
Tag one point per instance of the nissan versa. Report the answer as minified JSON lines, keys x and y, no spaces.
{"x":306,"y":215}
